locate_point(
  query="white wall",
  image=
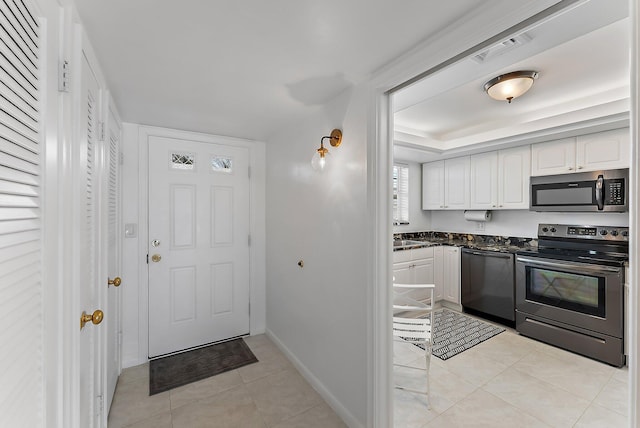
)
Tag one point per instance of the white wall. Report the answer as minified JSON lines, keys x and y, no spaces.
{"x":419,"y":219}
{"x":317,"y":314}
{"x":522,"y":223}
{"x":130,"y":253}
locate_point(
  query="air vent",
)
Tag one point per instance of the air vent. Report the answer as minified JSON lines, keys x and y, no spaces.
{"x":501,"y":48}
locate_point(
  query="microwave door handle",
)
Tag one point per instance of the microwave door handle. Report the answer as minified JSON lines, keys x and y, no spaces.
{"x":600,"y":193}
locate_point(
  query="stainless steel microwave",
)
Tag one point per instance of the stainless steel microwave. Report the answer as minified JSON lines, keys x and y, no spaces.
{"x":605,"y":191}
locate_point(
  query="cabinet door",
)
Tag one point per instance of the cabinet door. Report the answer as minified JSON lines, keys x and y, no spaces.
{"x":451,"y":271}
{"x":603,"y":150}
{"x":484,"y":181}
{"x":402,"y":273}
{"x":433,"y":185}
{"x":514,"y":169}
{"x":423,"y":273}
{"x":456,"y":183}
{"x":553,"y":157}
{"x":438,"y":278}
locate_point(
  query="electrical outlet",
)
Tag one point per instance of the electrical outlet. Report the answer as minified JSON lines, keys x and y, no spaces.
{"x":479,"y":225}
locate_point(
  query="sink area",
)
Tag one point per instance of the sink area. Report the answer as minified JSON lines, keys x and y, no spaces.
{"x":408,"y":243}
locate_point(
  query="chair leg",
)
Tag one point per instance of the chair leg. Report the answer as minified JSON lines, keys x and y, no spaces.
{"x":428,"y":365}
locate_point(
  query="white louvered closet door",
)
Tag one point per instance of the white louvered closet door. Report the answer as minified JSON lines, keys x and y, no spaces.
{"x":20,"y":217}
{"x":90,"y":359}
{"x":113,"y":303}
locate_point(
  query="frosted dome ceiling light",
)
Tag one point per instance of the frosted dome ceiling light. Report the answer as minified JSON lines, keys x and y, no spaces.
{"x":508,"y":86}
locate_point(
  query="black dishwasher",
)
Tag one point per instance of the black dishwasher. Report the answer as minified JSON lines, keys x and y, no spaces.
{"x":488,"y":283}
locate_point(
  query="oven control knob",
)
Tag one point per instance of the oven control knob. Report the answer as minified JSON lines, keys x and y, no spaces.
{"x":625,"y":233}
{"x":614,"y":233}
{"x":545,"y":229}
{"x":603,"y":232}
{"x":553,"y":230}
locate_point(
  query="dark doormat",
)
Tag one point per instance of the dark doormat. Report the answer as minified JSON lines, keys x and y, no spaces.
{"x":180,"y":369}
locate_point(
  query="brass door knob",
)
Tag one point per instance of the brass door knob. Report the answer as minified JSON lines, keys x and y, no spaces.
{"x":95,"y":318}
{"x":156,"y":258}
{"x":115,"y":281}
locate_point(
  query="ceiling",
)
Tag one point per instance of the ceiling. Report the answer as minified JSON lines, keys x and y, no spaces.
{"x":582,"y":57}
{"x":247,"y":68}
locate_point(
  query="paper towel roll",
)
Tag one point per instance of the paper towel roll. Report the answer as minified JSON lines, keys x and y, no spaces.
{"x":477,"y":215}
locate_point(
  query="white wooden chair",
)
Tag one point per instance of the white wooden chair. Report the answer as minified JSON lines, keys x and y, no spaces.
{"x":413,"y":323}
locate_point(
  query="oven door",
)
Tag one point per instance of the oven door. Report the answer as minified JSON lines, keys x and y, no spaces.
{"x":584,"y":295}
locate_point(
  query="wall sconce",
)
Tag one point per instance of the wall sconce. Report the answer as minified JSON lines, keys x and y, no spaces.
{"x":319,"y":160}
{"x":511,"y":85}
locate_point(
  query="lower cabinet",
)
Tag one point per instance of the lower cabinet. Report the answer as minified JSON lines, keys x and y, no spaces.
{"x":438,"y":265}
{"x":451,"y":274}
{"x":414,"y":266}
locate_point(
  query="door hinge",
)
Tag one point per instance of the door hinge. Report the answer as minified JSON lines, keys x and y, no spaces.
{"x":99,"y":405}
{"x":101,"y":131}
{"x":147,"y":258}
{"x":64,"y":79}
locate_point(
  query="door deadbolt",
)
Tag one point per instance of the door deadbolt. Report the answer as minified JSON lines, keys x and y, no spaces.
{"x":156,"y":258}
{"x":155,"y":243}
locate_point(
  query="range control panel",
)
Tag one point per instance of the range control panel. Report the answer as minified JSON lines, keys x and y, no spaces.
{"x":602,"y":233}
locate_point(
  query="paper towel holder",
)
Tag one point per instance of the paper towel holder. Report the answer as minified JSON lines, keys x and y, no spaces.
{"x":477,"y":215}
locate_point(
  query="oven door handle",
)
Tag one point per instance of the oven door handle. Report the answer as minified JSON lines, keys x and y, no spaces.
{"x":583,"y":267}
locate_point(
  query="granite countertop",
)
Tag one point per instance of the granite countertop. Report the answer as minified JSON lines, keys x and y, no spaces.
{"x":477,"y":242}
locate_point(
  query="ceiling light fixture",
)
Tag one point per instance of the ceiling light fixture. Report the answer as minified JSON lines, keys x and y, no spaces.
{"x":319,"y":160}
{"x":508,"y":86}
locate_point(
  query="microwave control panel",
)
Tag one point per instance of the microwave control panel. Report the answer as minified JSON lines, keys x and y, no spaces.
{"x":614,"y":191}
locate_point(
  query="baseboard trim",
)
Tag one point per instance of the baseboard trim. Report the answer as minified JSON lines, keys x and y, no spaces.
{"x":331,"y":400}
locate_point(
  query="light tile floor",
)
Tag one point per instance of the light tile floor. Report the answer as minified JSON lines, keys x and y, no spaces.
{"x":512,"y":381}
{"x":507,"y":381}
{"x":267,"y":394}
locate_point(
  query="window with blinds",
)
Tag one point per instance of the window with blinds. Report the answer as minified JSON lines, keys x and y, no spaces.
{"x":20,"y":216}
{"x":400,"y":194}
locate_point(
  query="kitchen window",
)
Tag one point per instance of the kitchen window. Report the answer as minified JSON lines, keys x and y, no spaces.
{"x":400,"y":194}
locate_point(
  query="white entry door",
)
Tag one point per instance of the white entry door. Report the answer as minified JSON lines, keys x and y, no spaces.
{"x":198,"y":244}
{"x":87,"y":251}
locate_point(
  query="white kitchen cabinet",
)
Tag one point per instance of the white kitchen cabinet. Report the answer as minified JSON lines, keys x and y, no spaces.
{"x":603,"y":150}
{"x":433,"y":185}
{"x":591,"y":152}
{"x":451,"y":274}
{"x":483,"y":173}
{"x":414,"y":266}
{"x":438,"y":274}
{"x":500,"y":179}
{"x":553,"y":157}
{"x":445,"y":184}
{"x":514,"y":171}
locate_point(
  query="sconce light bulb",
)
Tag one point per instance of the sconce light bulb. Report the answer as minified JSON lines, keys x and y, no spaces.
{"x":319,"y":160}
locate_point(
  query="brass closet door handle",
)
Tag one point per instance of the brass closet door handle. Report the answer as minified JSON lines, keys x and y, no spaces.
{"x":115,"y":281}
{"x":96,"y":318}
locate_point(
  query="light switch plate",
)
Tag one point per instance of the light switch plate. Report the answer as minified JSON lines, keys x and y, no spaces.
{"x":130,"y":230}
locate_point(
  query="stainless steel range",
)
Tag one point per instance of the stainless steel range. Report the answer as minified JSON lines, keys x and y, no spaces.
{"x":570,"y":290}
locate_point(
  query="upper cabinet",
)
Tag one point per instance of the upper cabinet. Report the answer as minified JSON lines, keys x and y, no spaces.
{"x":604,"y":150}
{"x":500,"y":179}
{"x":592,"y":152}
{"x":445,"y":184}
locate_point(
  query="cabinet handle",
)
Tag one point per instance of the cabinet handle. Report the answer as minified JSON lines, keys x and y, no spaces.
{"x":570,"y":168}
{"x":580,"y":167}
{"x":493,"y":206}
